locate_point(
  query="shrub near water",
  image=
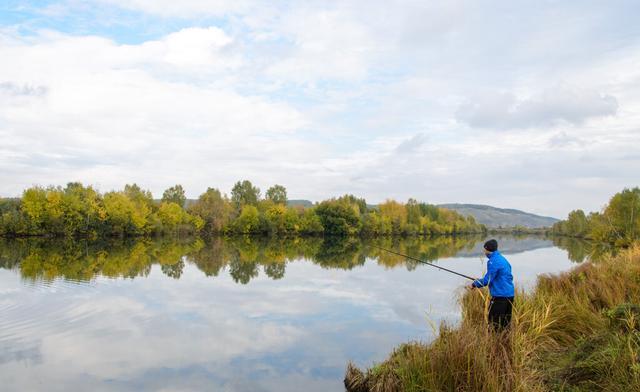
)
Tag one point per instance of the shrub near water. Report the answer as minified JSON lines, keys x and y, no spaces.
{"x":578,"y":331}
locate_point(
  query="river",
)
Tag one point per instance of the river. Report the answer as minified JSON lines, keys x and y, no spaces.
{"x":238,"y":314}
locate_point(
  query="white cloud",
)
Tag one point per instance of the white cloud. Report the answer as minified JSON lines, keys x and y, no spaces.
{"x":562,"y":139}
{"x":196,"y":47}
{"x":14,"y":90}
{"x":550,"y":107}
{"x":205,"y":48}
{"x":326,"y":45}
{"x":112,"y":108}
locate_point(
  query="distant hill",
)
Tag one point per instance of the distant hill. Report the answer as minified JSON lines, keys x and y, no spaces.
{"x":493,"y":217}
{"x":508,"y":245}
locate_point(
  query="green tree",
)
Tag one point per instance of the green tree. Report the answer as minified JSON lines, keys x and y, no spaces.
{"x":623,"y":217}
{"x":338,"y":217}
{"x":214,"y":209}
{"x":618,"y":224}
{"x":123,"y":216}
{"x":276,"y":218}
{"x":395,"y":214}
{"x":372,"y":224}
{"x":248,"y":221}
{"x":359,"y":203}
{"x":599,"y":228}
{"x":413,"y":212}
{"x":277,"y":194}
{"x":143,"y":205}
{"x":244,"y":192}
{"x":83,"y":209}
{"x":138,"y":195}
{"x":12,"y":221}
{"x":576,"y":224}
{"x":34,"y":205}
{"x":430,"y":211}
{"x":175,"y":194}
{"x":172,"y":215}
{"x":310,"y":223}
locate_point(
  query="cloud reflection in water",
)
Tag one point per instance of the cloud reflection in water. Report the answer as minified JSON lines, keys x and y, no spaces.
{"x":231,"y":315}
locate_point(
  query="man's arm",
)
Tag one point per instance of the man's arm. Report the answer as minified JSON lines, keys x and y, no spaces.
{"x":488,"y":277}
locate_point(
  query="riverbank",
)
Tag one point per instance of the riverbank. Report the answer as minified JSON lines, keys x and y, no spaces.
{"x":579,"y":330}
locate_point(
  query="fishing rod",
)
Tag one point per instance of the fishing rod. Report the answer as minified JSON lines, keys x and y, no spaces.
{"x":424,"y":262}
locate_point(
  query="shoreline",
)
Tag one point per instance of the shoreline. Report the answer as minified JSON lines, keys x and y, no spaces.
{"x":282,"y":235}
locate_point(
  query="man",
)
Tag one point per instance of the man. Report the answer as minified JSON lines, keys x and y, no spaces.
{"x":500,"y":282}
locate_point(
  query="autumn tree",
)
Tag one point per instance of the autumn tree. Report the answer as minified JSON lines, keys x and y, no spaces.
{"x":175,"y":194}
{"x":338,"y":217}
{"x":122,"y":215}
{"x":214,"y":208}
{"x":622,"y":216}
{"x":243,"y":192}
{"x":248,"y":221}
{"x":393,"y":214}
{"x":277,"y":194}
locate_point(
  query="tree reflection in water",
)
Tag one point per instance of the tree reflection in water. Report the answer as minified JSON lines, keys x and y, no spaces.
{"x":579,"y":249}
{"x":243,"y":257}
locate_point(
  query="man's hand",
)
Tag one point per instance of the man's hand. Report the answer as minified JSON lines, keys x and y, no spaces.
{"x":471,"y":286}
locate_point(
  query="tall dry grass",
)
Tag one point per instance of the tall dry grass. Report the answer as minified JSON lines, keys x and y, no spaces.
{"x":577,"y":331}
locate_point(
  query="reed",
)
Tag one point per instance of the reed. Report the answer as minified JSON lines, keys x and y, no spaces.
{"x":579,"y":330}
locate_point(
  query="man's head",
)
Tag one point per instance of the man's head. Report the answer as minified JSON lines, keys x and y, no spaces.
{"x":490,"y":246}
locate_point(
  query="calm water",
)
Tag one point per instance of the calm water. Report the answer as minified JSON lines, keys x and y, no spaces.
{"x":235,"y":315}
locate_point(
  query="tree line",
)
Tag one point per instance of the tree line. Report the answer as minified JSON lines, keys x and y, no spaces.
{"x":82,"y":211}
{"x":617,"y":224}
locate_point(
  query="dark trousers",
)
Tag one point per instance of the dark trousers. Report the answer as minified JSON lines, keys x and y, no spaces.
{"x":500,"y":312}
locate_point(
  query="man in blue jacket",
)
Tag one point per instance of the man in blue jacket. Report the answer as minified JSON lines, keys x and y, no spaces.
{"x":500,"y":282}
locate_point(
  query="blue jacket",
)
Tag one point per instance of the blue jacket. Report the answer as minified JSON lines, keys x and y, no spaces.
{"x":498,"y":276}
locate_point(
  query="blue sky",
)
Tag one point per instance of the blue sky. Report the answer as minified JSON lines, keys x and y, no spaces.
{"x":531,"y":105}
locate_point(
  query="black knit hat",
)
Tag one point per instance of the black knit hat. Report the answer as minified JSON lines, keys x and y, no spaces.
{"x":491,"y":245}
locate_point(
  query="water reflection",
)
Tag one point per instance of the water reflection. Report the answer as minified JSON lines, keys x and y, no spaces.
{"x":42,"y":259}
{"x":244,"y":257}
{"x":579,"y":250}
{"x":235,"y":314}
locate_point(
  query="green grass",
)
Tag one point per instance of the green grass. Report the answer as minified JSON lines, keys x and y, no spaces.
{"x":577,"y":331}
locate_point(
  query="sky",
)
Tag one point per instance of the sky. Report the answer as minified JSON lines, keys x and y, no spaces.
{"x":532,"y":105}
